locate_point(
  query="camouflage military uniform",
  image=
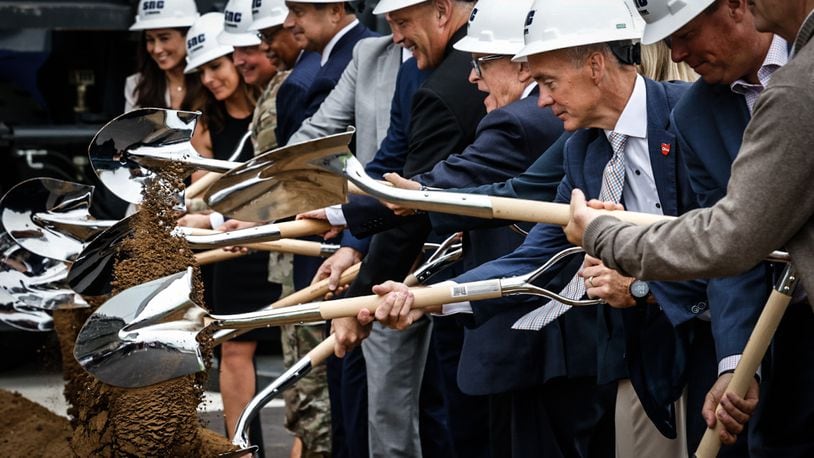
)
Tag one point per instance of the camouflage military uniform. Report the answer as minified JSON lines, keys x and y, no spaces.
{"x":307,"y":406}
{"x":308,"y":409}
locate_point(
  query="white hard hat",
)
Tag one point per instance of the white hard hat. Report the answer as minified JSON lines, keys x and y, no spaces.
{"x":495,"y":27}
{"x":663,"y":17}
{"x":267,"y":14}
{"x":387,"y":6}
{"x":164,"y":14}
{"x":237,"y":16}
{"x":560,"y":24}
{"x":202,"y":41}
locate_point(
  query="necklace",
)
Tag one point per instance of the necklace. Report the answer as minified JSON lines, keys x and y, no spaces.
{"x":179,"y":88}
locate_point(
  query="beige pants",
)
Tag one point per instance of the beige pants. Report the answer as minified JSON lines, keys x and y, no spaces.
{"x":637,"y":437}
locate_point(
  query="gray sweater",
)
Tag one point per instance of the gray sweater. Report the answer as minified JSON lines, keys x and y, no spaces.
{"x":769,"y":203}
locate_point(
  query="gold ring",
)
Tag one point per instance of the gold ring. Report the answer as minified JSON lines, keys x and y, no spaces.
{"x":591,"y":281}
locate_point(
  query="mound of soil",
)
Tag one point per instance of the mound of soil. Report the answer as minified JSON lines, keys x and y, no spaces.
{"x":29,"y":429}
{"x":158,"y":420}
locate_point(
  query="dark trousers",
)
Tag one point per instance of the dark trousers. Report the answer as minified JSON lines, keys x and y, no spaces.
{"x":468,"y":415}
{"x":347,"y":387}
{"x":702,"y":373}
{"x":562,"y":418}
{"x":783,"y":425}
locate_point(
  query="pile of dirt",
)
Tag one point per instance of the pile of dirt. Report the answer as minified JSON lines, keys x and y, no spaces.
{"x":159,"y":420}
{"x":30,"y":429}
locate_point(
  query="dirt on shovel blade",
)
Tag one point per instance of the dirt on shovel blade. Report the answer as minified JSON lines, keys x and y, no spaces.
{"x":159,"y":420}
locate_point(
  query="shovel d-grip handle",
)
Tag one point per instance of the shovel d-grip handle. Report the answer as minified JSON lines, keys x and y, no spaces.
{"x":753,"y":354}
{"x":423,"y":298}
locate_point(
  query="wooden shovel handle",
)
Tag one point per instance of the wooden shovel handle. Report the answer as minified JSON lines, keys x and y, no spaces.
{"x":201,"y":184}
{"x":217,"y":255}
{"x":317,"y":290}
{"x":310,"y":294}
{"x":559,"y":214}
{"x":323,"y":351}
{"x":753,"y":354}
{"x":302,"y":228}
{"x":424,"y":297}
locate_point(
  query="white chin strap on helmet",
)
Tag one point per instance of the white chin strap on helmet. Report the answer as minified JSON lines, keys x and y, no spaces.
{"x":237,"y":17}
{"x":495,"y":27}
{"x":164,"y":14}
{"x":267,"y":14}
{"x":561,"y":24}
{"x":202,"y":41}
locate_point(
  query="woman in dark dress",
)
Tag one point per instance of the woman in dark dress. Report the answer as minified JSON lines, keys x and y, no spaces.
{"x":239,"y":285}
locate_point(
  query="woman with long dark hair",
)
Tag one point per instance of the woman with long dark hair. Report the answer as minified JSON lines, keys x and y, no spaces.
{"x":161,"y":81}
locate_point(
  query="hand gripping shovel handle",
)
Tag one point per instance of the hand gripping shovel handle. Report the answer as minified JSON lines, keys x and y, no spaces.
{"x":753,"y":354}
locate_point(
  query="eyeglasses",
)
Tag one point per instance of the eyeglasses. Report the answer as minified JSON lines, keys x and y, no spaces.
{"x":268,"y":35}
{"x":476,"y":63}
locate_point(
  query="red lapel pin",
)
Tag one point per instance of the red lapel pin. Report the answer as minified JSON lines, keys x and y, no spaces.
{"x":665,"y":149}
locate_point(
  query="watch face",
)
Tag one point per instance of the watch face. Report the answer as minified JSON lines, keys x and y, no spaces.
{"x":639,"y":289}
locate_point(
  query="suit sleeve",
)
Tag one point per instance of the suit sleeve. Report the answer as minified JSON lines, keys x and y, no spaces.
{"x":538,"y":182}
{"x":543,"y":241}
{"x":759,"y":213}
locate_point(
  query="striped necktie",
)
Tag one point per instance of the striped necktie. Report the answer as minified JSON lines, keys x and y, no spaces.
{"x":613,"y":182}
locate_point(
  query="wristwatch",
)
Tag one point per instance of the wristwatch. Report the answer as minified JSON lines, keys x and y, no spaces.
{"x":639,"y":290}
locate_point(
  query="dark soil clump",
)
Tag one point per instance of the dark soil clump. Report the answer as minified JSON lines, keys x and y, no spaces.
{"x":161,"y":419}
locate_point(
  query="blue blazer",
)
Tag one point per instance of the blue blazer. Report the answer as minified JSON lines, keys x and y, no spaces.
{"x":292,"y":95}
{"x":328,"y":75}
{"x":709,"y":122}
{"x":586,"y":153}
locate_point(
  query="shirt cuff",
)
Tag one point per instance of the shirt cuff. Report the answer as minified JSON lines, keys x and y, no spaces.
{"x":729,"y":364}
{"x":216,"y":220}
{"x":453,"y":308}
{"x":335,"y":215}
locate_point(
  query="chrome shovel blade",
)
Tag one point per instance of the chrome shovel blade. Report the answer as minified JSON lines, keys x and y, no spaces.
{"x":18,"y":316}
{"x":144,"y":335}
{"x":39,"y":283}
{"x":282,"y":182}
{"x":50,"y":217}
{"x":149,"y":130}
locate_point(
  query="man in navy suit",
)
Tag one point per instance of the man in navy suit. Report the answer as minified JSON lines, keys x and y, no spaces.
{"x":444,"y":114}
{"x":594,"y":89}
{"x":710,"y":121}
{"x":511,"y":136}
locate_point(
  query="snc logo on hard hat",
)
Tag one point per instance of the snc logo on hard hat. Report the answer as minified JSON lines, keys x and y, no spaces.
{"x":197,"y":40}
{"x":232,"y":17}
{"x":472,"y":16}
{"x":153,"y":6}
{"x":529,"y":20}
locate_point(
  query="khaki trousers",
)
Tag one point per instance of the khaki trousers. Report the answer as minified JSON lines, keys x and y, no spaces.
{"x":637,"y":437}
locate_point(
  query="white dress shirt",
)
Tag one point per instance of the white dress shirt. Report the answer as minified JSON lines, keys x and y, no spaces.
{"x":326,"y":53}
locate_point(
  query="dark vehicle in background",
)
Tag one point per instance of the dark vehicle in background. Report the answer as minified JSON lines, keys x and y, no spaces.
{"x":63,"y":64}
